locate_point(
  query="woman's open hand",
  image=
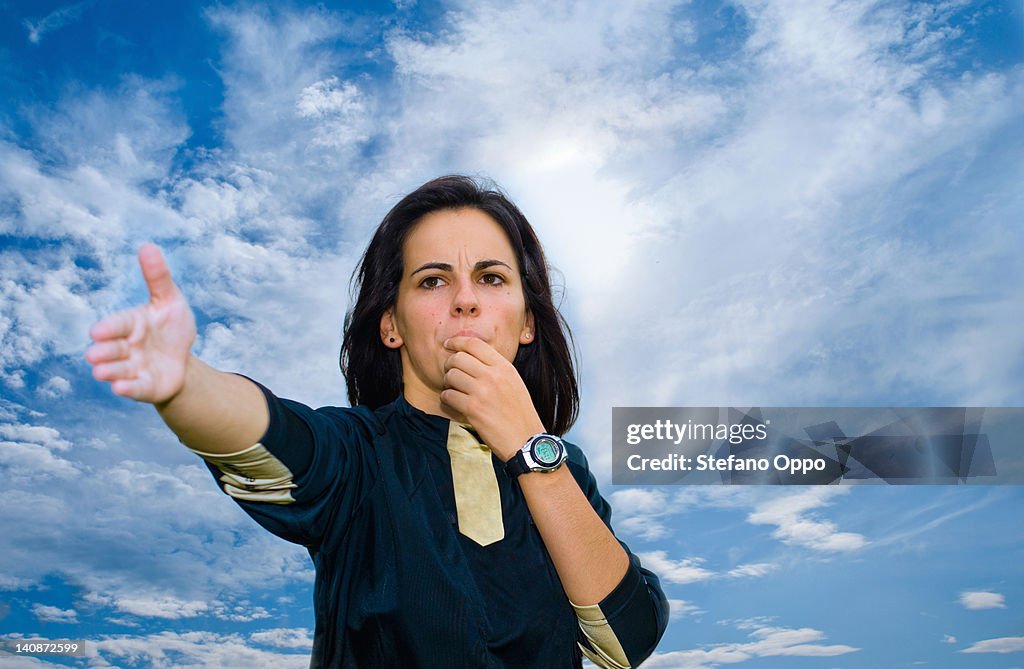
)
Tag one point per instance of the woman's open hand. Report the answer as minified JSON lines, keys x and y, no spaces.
{"x":485,"y":388}
{"x":144,"y":352}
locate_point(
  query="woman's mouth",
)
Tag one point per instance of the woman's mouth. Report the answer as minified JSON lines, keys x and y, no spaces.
{"x":469,"y":332}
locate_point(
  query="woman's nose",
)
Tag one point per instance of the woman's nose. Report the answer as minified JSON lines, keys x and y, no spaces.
{"x":465,"y":300}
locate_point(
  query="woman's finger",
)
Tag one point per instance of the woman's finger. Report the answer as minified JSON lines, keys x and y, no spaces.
{"x":134,"y":389}
{"x":114,"y":326}
{"x":156,"y":273}
{"x":467,"y":363}
{"x":114,"y":371}
{"x":459,"y":380}
{"x":477,"y":348}
{"x":456,"y":400}
{"x":107,"y":351}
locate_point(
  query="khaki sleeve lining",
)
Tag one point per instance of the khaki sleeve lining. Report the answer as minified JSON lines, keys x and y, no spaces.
{"x":253,"y":475}
{"x":605,"y":651}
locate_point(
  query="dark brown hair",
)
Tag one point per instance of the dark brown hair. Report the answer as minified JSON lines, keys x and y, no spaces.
{"x":373,"y":372}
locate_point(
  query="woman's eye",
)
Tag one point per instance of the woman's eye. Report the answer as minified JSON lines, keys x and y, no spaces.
{"x":432,"y":282}
{"x":492,"y":279}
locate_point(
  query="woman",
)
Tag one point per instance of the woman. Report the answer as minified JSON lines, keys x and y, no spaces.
{"x":449,"y":524}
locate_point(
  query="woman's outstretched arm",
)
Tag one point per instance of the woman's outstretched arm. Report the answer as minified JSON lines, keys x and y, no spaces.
{"x":145,"y":354}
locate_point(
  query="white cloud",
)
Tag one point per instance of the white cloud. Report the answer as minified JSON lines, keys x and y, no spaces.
{"x":789,"y":513}
{"x":644,"y":527}
{"x":154,"y":604}
{"x":679,"y":608}
{"x":123,"y":621}
{"x":340,"y":112}
{"x":686,"y":570}
{"x":976,"y":600}
{"x":641,"y":501}
{"x":29,"y":454}
{"x":53,"y":614}
{"x":43,"y":313}
{"x":795,"y":643}
{"x":647,"y":510}
{"x":754,"y":570}
{"x":55,"y":20}
{"x":327,"y":97}
{"x":243,"y":611}
{"x":26,"y":662}
{"x":45,"y":436}
{"x":279,"y":79}
{"x":690,"y":570}
{"x":913,"y":522}
{"x":114,"y":141}
{"x":196,"y":650}
{"x":54,"y":387}
{"x":765,"y":642}
{"x":948,"y":638}
{"x":283,"y":638}
{"x":649,"y":514}
{"x":1006,"y":644}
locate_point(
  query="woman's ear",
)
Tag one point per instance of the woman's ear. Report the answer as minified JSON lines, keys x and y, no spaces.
{"x":388,"y":332}
{"x":527,"y":334}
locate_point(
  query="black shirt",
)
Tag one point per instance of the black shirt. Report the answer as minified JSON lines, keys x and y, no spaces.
{"x":370,"y":494}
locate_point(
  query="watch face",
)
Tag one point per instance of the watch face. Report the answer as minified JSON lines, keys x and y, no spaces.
{"x":545,"y":452}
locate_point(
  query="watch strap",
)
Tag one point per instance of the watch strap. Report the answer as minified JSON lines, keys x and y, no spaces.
{"x":516,"y":465}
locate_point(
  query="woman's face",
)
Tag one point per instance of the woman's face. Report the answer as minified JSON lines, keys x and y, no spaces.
{"x":460,"y":277}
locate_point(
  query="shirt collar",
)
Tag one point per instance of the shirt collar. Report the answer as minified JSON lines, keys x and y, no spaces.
{"x":432,"y":429}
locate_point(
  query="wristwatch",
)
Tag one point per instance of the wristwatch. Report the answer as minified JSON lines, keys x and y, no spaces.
{"x":541,"y":453}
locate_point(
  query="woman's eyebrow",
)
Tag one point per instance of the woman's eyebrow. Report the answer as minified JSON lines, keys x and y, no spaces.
{"x":484,"y":264}
{"x":443,"y":266}
{"x":446,"y":267}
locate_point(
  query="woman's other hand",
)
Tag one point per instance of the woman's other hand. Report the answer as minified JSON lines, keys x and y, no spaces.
{"x":144,"y":352}
{"x":485,"y":388}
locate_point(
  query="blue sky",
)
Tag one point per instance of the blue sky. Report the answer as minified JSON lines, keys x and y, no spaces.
{"x":759,"y":203}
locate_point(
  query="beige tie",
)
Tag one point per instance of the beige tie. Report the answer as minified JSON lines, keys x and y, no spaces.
{"x":477,"y":499}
